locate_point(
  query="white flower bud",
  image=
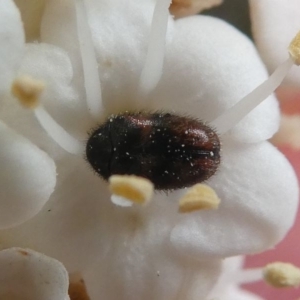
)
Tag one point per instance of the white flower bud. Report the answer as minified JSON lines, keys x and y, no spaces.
{"x":27,"y":178}
{"x":11,"y":42}
{"x":26,"y":274}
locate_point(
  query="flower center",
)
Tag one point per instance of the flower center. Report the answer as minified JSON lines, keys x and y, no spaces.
{"x":163,"y":149}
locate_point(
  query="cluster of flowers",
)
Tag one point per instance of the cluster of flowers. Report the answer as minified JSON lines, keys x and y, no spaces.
{"x":51,"y":201}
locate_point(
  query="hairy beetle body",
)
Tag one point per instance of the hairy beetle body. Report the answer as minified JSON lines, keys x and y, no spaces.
{"x":171,"y":151}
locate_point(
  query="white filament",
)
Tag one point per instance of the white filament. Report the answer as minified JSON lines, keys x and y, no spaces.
{"x":250,"y":276}
{"x":57,"y":133}
{"x":153,"y":67}
{"x":89,"y":62}
{"x":237,"y":112}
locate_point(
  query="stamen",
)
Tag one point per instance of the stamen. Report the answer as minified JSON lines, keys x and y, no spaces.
{"x":153,"y":67}
{"x":133,"y":188}
{"x":236,"y":113}
{"x":282,"y":275}
{"x":57,"y":133}
{"x":199,"y":197}
{"x":276,"y":274}
{"x":294,"y":49}
{"x":89,"y":62}
{"x":249,"y":276}
{"x":28,"y":91}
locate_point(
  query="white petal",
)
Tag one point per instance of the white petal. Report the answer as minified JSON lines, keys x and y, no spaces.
{"x":69,"y":227}
{"x":60,"y":15}
{"x":52,"y":65}
{"x":234,"y":293}
{"x":25,"y":274}
{"x":274,"y":25}
{"x":27,"y":178}
{"x":227,"y":287}
{"x":259,"y":198}
{"x":58,"y":28}
{"x":120,"y":54}
{"x":83,"y":229}
{"x":136,"y":260}
{"x":209,"y":67}
{"x":11,"y":42}
{"x":137,"y":275}
{"x":231,"y":268}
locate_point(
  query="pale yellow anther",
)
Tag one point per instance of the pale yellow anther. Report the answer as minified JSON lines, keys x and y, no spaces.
{"x":136,"y":189}
{"x":28,"y":90}
{"x":282,"y":275}
{"x":200,"y":196}
{"x":294,"y":49}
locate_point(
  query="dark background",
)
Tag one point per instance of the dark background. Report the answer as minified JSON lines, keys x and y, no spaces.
{"x":235,"y":12}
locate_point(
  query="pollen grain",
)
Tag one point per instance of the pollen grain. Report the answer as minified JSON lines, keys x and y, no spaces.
{"x":294,"y":49}
{"x":136,"y":189}
{"x":28,"y":90}
{"x":281,"y":275}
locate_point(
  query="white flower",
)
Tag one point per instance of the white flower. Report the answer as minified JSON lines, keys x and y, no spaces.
{"x":19,"y":158}
{"x":275,"y":22}
{"x":150,"y":252}
{"x":26,"y":274}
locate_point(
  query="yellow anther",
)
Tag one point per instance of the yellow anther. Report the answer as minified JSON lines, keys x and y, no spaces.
{"x":200,"y":196}
{"x":136,"y":189}
{"x":282,"y":275}
{"x":294,"y":49}
{"x":27,"y":90}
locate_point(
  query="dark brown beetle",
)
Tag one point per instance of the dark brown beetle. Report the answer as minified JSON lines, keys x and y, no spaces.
{"x":172,"y":151}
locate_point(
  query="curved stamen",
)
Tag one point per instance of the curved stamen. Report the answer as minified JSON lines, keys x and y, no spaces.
{"x":28,"y":91}
{"x":89,"y":62}
{"x":236,"y":113}
{"x":152,"y":69}
{"x":276,"y":274}
{"x":58,"y":133}
{"x":250,"y":275}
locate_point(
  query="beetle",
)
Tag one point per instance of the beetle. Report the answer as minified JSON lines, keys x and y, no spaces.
{"x":171,"y":151}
